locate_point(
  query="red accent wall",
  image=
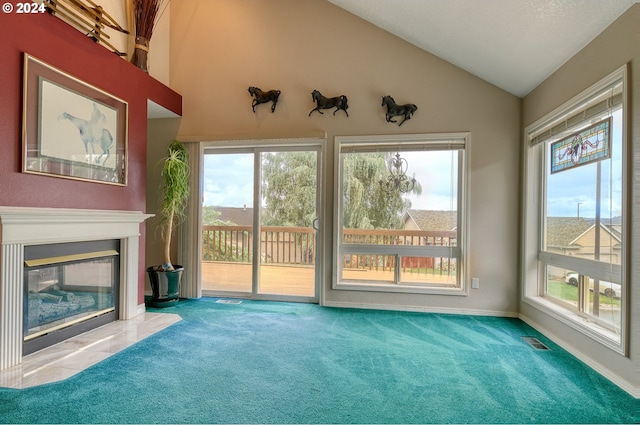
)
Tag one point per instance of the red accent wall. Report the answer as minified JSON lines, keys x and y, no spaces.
{"x":55,"y":42}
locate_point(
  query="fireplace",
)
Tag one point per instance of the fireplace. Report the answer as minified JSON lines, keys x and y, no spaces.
{"x":24,"y":229}
{"x":69,"y":288}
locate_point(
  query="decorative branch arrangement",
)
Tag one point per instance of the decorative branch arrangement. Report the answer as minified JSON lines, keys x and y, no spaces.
{"x":394,"y":110}
{"x":88,"y":17}
{"x":264,"y":97}
{"x":146,"y":16}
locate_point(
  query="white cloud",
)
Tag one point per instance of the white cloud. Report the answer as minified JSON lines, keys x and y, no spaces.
{"x":228,"y":180}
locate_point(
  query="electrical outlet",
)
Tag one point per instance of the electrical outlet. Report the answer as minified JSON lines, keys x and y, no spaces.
{"x":475,"y":282}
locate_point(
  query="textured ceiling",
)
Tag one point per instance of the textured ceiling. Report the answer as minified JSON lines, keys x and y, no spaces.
{"x":513,"y":44}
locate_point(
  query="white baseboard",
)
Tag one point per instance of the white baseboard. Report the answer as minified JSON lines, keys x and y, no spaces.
{"x":614,"y":378}
{"x":420,"y":309}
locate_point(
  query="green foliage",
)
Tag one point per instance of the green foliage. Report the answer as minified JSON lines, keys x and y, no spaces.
{"x":175,"y":181}
{"x":214,"y":248}
{"x":366,"y":204}
{"x":210,"y":217}
{"x":174,"y":190}
{"x":569,"y":293}
{"x":289,"y":188}
{"x":289,"y":191}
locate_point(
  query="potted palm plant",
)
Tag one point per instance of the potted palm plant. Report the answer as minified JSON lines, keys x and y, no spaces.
{"x":174,"y":192}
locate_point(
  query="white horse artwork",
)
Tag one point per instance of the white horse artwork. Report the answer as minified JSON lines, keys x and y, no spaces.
{"x":92,"y":132}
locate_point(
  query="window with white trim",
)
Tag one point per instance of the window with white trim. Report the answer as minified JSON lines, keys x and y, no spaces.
{"x":400,"y":222}
{"x":575,"y":245}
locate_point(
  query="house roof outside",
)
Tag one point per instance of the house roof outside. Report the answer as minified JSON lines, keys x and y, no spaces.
{"x":561,"y":231}
{"x":431,"y":220}
{"x":616,"y":231}
{"x":240,"y":216}
{"x":564,"y":232}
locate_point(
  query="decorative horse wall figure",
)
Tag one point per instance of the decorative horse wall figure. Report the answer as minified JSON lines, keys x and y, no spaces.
{"x":92,"y":132}
{"x":264,"y":97}
{"x":339,"y":102}
{"x":394,"y":110}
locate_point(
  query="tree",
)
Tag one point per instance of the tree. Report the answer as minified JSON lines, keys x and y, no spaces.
{"x":214,"y":247}
{"x":289,"y":183}
{"x":210,"y":216}
{"x":365,"y":204}
{"x":289,"y":190}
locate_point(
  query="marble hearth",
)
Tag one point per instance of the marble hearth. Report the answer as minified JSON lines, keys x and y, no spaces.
{"x":20,"y":227}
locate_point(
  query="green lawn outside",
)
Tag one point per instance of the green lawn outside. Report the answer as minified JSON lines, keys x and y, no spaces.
{"x":566,"y":292}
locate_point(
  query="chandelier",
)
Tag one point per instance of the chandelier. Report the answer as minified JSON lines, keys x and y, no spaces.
{"x":397,"y":181}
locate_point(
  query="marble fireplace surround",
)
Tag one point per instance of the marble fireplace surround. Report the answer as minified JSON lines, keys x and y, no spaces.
{"x":22,"y":226}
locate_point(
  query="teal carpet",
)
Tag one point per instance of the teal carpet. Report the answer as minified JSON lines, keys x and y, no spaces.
{"x":264,"y":362}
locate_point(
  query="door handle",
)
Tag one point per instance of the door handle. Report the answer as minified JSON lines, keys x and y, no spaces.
{"x":315,"y":226}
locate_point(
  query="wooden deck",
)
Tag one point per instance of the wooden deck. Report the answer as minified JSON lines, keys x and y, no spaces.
{"x":291,"y":279}
{"x":274,"y":279}
{"x":287,"y":252}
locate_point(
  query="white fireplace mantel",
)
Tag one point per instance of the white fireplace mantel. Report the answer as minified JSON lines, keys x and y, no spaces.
{"x":34,"y":226}
{"x":23,"y":226}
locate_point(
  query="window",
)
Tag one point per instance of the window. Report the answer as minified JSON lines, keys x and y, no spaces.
{"x":575,"y":203}
{"x":400,"y":219}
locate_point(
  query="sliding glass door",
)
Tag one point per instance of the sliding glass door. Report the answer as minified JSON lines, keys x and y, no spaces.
{"x":259,"y":222}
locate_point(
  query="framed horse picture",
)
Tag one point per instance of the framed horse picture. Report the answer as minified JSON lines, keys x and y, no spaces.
{"x":71,"y":129}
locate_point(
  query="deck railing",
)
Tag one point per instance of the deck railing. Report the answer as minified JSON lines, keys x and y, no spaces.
{"x":378,"y":262}
{"x":278,"y":245}
{"x":297,"y":245}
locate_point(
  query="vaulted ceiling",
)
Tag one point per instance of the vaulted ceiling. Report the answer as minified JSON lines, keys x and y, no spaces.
{"x":513,"y":44}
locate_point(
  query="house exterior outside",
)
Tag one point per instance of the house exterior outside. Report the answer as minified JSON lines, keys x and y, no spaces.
{"x":430,"y":220}
{"x":238,"y":216}
{"x":577,"y":237}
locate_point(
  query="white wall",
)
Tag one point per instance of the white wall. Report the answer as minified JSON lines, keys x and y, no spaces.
{"x":221,"y":47}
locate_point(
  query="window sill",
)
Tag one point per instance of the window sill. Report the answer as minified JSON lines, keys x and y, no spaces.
{"x":403,"y":288}
{"x":593,"y":330}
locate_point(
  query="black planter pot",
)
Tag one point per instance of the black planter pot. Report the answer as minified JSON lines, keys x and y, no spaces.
{"x":165,"y":286}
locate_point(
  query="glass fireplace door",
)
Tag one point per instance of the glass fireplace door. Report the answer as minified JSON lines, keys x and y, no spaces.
{"x":67,"y":294}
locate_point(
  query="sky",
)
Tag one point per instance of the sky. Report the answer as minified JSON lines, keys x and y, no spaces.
{"x":433,"y":172}
{"x":575,"y":189}
{"x":228,"y":181}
